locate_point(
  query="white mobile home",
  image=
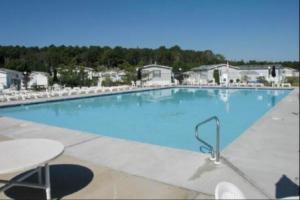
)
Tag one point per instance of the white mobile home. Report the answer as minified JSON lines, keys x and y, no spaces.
{"x":10,"y":78}
{"x":232,"y":74}
{"x":156,"y":75}
{"x":113,"y":75}
{"x":290,"y":72}
{"x":38,"y":79}
{"x":205,"y":74}
{"x":254,"y":72}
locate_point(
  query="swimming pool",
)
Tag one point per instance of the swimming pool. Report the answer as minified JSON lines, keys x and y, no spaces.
{"x":164,"y":117}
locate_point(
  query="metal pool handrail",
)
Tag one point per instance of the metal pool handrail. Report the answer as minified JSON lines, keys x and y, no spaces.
{"x":215,"y":152}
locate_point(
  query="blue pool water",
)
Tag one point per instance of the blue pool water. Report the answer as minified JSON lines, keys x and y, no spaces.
{"x":164,"y":117}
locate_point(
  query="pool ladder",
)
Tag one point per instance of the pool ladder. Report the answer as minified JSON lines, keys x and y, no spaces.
{"x":214,"y":151}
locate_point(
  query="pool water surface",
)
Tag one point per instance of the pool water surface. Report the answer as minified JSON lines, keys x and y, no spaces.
{"x":164,"y":117}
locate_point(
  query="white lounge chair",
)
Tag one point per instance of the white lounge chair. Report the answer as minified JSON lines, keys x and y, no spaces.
{"x":114,"y":89}
{"x":243,"y":84}
{"x":54,"y":93}
{"x":291,"y":198}
{"x":23,"y":154}
{"x":226,"y":190}
{"x":99,"y":90}
{"x":64,"y":92}
{"x":14,"y":97}
{"x":83,"y":90}
{"x":73,"y":91}
{"x":42,"y":94}
{"x":107,"y":89}
{"x":286,"y":85}
{"x":2,"y":98}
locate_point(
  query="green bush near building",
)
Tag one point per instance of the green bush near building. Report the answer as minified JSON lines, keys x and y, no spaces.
{"x":294,"y":81}
{"x":216,"y":76}
{"x":108,"y":82}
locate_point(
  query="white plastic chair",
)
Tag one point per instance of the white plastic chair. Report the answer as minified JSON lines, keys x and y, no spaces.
{"x":226,"y":190}
{"x":291,"y":198}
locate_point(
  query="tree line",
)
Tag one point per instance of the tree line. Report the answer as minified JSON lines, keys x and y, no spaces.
{"x":52,"y":57}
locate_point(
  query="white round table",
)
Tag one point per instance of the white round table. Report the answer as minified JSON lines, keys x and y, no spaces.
{"x":23,"y":154}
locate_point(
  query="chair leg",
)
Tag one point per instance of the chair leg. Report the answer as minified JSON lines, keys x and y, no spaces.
{"x":47,"y":182}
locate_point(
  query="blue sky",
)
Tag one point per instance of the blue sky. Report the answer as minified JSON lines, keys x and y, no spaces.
{"x":238,"y":29}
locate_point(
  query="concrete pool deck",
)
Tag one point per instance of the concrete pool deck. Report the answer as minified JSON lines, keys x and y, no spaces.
{"x":72,"y":178}
{"x":254,"y":168}
{"x":268,"y":151}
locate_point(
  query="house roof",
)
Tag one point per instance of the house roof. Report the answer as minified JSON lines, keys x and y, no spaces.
{"x":295,"y":70}
{"x":38,"y":72}
{"x":249,"y":72}
{"x":77,"y":67}
{"x":187,"y":72}
{"x":10,"y":70}
{"x":259,"y":67}
{"x":240,"y":67}
{"x":155,"y":65}
{"x":210,"y":67}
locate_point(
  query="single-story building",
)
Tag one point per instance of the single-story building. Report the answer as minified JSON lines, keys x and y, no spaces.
{"x":10,"y":78}
{"x":113,"y":75}
{"x":205,"y":73}
{"x":232,"y":74}
{"x":38,"y":79}
{"x":251,"y":73}
{"x":290,"y":72}
{"x":154,"y":74}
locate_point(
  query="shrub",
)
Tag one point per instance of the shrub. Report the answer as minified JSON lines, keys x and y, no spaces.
{"x":245,"y":78}
{"x":107,"y":82}
{"x":262,"y":80}
{"x":217,"y":76}
{"x":294,"y":81}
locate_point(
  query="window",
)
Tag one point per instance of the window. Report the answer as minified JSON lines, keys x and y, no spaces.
{"x":157,"y":73}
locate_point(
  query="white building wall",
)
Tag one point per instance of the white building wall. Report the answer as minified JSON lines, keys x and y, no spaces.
{"x":289,"y":72}
{"x":38,"y":79}
{"x":209,"y":75}
{"x":3,"y":79}
{"x":200,"y":77}
{"x":157,"y":75}
{"x":205,"y":74}
{"x":11,"y":78}
{"x":89,"y":74}
{"x":227,"y":74}
{"x":254,"y":74}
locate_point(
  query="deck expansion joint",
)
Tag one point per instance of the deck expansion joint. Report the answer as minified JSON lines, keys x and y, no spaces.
{"x":245,"y":177}
{"x":82,"y":142}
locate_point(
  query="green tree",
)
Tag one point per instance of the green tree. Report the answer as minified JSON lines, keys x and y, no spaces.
{"x":50,"y":58}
